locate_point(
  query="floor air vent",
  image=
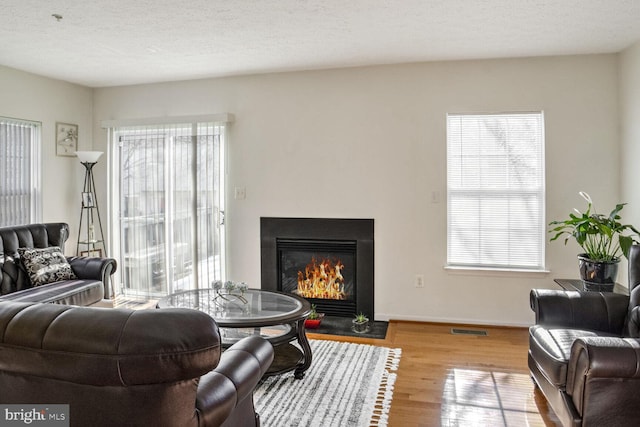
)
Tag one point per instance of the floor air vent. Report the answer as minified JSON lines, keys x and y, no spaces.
{"x":478,"y":332}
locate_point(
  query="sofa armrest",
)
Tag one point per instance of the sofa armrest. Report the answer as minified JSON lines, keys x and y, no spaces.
{"x":92,"y":268}
{"x":233,"y":380}
{"x":598,"y":311}
{"x":604,"y":369}
{"x":633,"y":322}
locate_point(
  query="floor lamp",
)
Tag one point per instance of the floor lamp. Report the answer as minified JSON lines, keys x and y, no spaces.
{"x":89,"y":207}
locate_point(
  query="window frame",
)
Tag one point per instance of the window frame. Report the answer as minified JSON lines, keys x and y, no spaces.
{"x":539,"y":196}
{"x":195,"y":123}
{"x":35,"y":166}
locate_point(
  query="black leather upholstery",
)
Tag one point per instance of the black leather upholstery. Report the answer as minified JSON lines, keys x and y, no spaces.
{"x":599,"y":311}
{"x":551,"y":347}
{"x":117,"y":367}
{"x":93,"y":273}
{"x":70,"y":292}
{"x":584,"y":352}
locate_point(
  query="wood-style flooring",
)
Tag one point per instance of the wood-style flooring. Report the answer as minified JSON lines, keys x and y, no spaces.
{"x":461,"y":380}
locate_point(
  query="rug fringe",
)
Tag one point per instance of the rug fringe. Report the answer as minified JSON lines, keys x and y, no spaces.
{"x":380,"y":416}
{"x":393,"y":359}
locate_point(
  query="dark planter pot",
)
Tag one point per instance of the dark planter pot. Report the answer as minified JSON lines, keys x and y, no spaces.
{"x":598,"y":272}
{"x":360,"y":327}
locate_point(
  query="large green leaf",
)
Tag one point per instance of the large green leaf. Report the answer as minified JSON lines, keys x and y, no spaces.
{"x":601,"y":237}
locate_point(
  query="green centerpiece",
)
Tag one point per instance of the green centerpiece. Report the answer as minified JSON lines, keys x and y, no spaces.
{"x":229,"y":293}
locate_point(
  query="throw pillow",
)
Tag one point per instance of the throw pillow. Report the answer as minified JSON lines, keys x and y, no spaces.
{"x":46,"y":265}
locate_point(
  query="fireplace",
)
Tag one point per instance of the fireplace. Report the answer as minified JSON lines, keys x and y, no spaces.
{"x":328,"y":261}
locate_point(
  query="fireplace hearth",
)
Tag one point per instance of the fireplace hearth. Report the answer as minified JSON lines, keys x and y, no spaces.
{"x":328,"y":261}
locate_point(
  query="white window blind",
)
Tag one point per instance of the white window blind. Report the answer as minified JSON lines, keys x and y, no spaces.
{"x":171,"y":202}
{"x":19,"y":171}
{"x":495,"y":191}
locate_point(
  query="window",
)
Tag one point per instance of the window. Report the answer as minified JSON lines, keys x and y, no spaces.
{"x":495,"y":191}
{"x":19,"y":172}
{"x":170,"y":181}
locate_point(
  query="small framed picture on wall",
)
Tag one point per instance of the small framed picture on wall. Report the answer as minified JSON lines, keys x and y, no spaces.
{"x":66,"y":139}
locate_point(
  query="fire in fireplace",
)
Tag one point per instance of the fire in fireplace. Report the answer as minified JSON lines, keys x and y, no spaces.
{"x":327,"y":261}
{"x":322,"y":271}
{"x":322,"y":279}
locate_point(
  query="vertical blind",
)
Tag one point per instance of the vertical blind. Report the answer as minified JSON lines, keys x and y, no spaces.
{"x":495,"y":190}
{"x":171,"y":181}
{"x":19,"y":183}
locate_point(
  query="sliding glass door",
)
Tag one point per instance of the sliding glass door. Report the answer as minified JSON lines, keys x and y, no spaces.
{"x":171,"y":207}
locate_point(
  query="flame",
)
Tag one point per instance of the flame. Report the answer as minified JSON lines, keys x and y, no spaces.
{"x":322,"y":280}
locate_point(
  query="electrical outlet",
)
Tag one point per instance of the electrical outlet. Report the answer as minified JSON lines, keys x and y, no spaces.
{"x":419,"y":281}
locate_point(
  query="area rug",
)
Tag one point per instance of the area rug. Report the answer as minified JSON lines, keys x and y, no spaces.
{"x":347,"y":385}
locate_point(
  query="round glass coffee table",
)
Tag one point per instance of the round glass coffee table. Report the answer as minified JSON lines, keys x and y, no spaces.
{"x":275,"y":316}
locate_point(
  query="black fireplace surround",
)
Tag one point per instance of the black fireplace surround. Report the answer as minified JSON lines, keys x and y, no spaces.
{"x":279,"y":234}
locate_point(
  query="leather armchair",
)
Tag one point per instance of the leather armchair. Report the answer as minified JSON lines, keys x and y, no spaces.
{"x":584,"y":352}
{"x":117,"y":367}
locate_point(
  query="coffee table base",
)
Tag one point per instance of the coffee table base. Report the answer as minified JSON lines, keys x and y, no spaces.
{"x":285,"y":357}
{"x":288,"y":357}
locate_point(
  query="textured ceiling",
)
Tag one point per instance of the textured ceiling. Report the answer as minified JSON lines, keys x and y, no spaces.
{"x":116,"y":42}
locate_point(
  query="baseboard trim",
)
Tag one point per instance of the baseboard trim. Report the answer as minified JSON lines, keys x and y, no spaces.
{"x":455,"y":321}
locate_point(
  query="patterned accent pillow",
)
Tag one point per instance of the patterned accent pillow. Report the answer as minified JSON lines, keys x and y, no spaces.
{"x":46,"y":265}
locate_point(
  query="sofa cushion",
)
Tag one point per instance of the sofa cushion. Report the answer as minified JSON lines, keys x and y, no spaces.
{"x":46,"y":265}
{"x":551,"y":349}
{"x":70,"y":292}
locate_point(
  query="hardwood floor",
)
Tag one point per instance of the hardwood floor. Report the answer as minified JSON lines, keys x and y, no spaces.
{"x":461,"y":380}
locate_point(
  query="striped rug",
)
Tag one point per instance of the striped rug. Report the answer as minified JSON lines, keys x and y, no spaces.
{"x":347,"y":385}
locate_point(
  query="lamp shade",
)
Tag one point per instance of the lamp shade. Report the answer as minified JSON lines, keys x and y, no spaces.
{"x":88,"y":156}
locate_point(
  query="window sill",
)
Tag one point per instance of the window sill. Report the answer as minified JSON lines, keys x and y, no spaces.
{"x":489,"y":271}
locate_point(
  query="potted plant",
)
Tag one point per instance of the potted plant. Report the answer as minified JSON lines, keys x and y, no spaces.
{"x":361,"y":323}
{"x":603,"y":238}
{"x":314,"y":319}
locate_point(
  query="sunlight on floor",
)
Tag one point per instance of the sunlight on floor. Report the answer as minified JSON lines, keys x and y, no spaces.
{"x":474,"y":397}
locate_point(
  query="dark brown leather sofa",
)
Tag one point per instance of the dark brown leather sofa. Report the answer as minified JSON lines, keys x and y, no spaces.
{"x":118,"y":367}
{"x":584,"y":353}
{"x":93,"y":274}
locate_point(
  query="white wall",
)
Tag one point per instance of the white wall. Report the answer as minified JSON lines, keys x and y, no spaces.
{"x":630,"y":135}
{"x":370,"y":143}
{"x":31,"y":97}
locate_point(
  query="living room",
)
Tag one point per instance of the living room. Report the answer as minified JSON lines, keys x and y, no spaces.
{"x":369,"y":141}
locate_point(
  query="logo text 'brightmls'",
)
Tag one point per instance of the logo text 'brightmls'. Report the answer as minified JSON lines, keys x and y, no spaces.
{"x":38,"y":415}
{"x":26,"y":416}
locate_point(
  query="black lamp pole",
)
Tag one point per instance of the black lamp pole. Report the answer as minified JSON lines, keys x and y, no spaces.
{"x":89,"y":204}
